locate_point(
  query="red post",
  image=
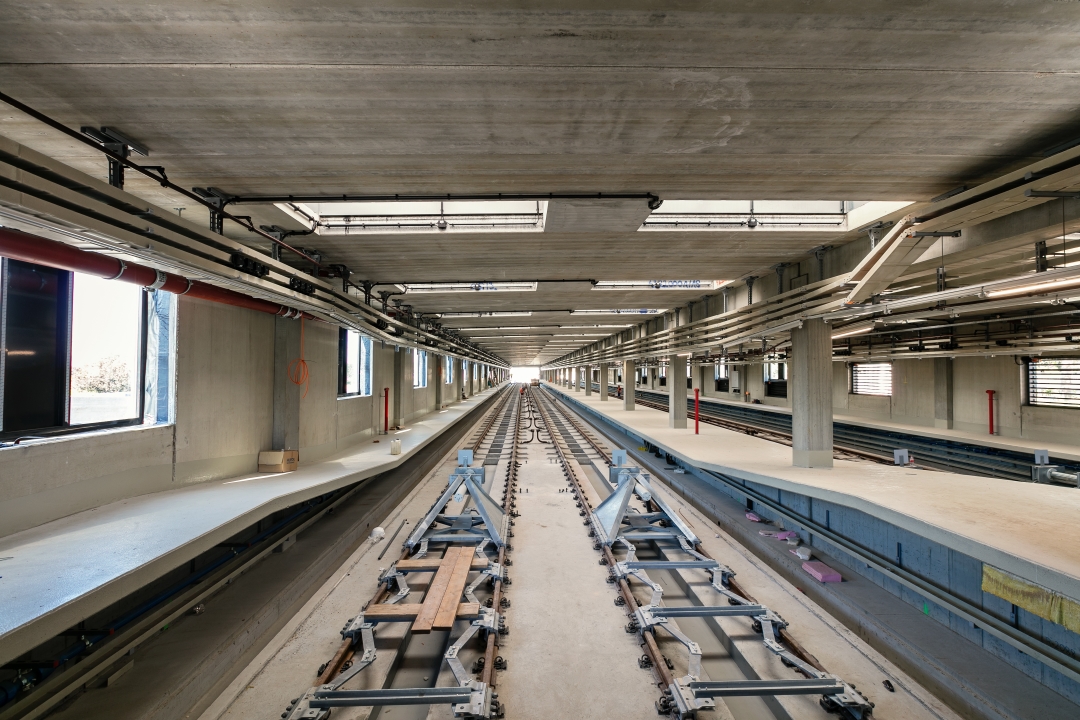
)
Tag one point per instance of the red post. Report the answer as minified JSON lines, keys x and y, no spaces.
{"x":386,"y":411}
{"x":697,"y":410}
{"x":990,"y":395}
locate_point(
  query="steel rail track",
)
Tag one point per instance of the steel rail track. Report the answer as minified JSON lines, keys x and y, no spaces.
{"x":559,"y":443}
{"x":347,"y":649}
{"x":336,"y":671}
{"x":547,"y":405}
{"x":868,"y":443}
{"x":1041,"y":650}
{"x":797,"y":648}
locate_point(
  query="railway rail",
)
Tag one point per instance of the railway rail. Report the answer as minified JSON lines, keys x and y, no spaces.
{"x":624,"y":536}
{"x":871,"y":443}
{"x":654,"y":560}
{"x":461,"y":542}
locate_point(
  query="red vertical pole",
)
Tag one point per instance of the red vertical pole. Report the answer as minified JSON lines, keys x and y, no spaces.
{"x":386,"y":411}
{"x":990,"y":395}
{"x":697,"y":410}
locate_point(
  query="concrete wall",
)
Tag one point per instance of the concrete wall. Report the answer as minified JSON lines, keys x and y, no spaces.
{"x":224,"y":418}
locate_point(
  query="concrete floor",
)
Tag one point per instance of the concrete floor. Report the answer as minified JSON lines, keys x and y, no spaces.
{"x":568,"y":653}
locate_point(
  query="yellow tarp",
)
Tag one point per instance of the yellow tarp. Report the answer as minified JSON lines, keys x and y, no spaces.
{"x":1037,"y":600}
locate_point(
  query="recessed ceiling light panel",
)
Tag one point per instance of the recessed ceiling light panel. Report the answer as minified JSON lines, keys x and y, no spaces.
{"x":658,"y":284}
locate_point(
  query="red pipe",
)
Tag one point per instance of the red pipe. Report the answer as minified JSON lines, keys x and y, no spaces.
{"x":41,"y":251}
{"x":386,"y":411}
{"x":990,"y":394}
{"x":697,"y":411}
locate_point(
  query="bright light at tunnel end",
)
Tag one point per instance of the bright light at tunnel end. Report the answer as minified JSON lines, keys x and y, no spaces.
{"x":524,"y":373}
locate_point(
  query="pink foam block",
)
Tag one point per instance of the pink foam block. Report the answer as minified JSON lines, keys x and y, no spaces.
{"x":752,"y":517}
{"x":786,"y":535}
{"x":821,"y":572}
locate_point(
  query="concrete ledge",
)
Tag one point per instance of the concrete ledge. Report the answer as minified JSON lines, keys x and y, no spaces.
{"x":1026,"y":529}
{"x":65,"y":571}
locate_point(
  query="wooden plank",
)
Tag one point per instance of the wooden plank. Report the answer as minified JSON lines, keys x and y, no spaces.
{"x":444,"y":619}
{"x":436,"y":590}
{"x":432,"y":564}
{"x":385,"y":612}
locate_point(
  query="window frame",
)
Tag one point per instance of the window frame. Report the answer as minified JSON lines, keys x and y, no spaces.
{"x":775,"y":387}
{"x":366,"y":345}
{"x":853,"y":379}
{"x":64,"y":320}
{"x":420,"y":369}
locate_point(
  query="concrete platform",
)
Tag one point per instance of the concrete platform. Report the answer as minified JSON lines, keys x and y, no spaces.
{"x":1026,"y":529}
{"x":1064,"y":451}
{"x":60,"y":573}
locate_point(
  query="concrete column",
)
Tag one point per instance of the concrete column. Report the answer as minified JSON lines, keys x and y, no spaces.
{"x":629,"y":376}
{"x":676,"y":386}
{"x":695,"y":379}
{"x":603,"y":381}
{"x":651,"y":383}
{"x":286,"y":434}
{"x":810,"y":389}
{"x":588,"y":380}
{"x":440,"y":379}
{"x":943,"y":393}
{"x":402,"y":380}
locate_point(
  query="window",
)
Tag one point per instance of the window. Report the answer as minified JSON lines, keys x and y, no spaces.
{"x":1054,"y":382}
{"x":871,"y":379}
{"x":354,"y":363}
{"x":73,"y":352}
{"x":776,"y":379}
{"x":419,"y":369}
{"x":448,"y":362}
{"x":721,"y":378}
{"x":662,"y":372}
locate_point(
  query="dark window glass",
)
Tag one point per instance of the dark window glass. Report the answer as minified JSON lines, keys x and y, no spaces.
{"x":35,"y":307}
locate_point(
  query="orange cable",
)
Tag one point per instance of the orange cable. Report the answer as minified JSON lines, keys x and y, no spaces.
{"x":298,"y":368}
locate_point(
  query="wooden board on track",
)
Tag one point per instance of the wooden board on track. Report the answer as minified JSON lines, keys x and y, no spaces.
{"x":436,"y":591}
{"x":385,"y":612}
{"x":447,"y":614}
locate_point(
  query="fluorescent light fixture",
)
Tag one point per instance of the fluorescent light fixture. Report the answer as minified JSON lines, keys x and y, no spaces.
{"x":485,"y":286}
{"x":497,"y":313}
{"x":1037,"y":287}
{"x":498,"y":327}
{"x":411,"y":217}
{"x":575,"y":327}
{"x":658,"y":284}
{"x":623,"y":311}
{"x":768,"y":215}
{"x":853,"y":330}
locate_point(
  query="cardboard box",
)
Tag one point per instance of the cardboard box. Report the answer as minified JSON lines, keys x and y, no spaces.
{"x":277,"y":461}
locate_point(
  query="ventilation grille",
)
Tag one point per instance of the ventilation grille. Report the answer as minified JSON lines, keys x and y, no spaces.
{"x":1054,"y":382}
{"x":871,"y":379}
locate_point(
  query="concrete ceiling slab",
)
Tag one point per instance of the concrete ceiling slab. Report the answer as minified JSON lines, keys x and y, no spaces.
{"x":852,"y":100}
{"x":595,"y":216}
